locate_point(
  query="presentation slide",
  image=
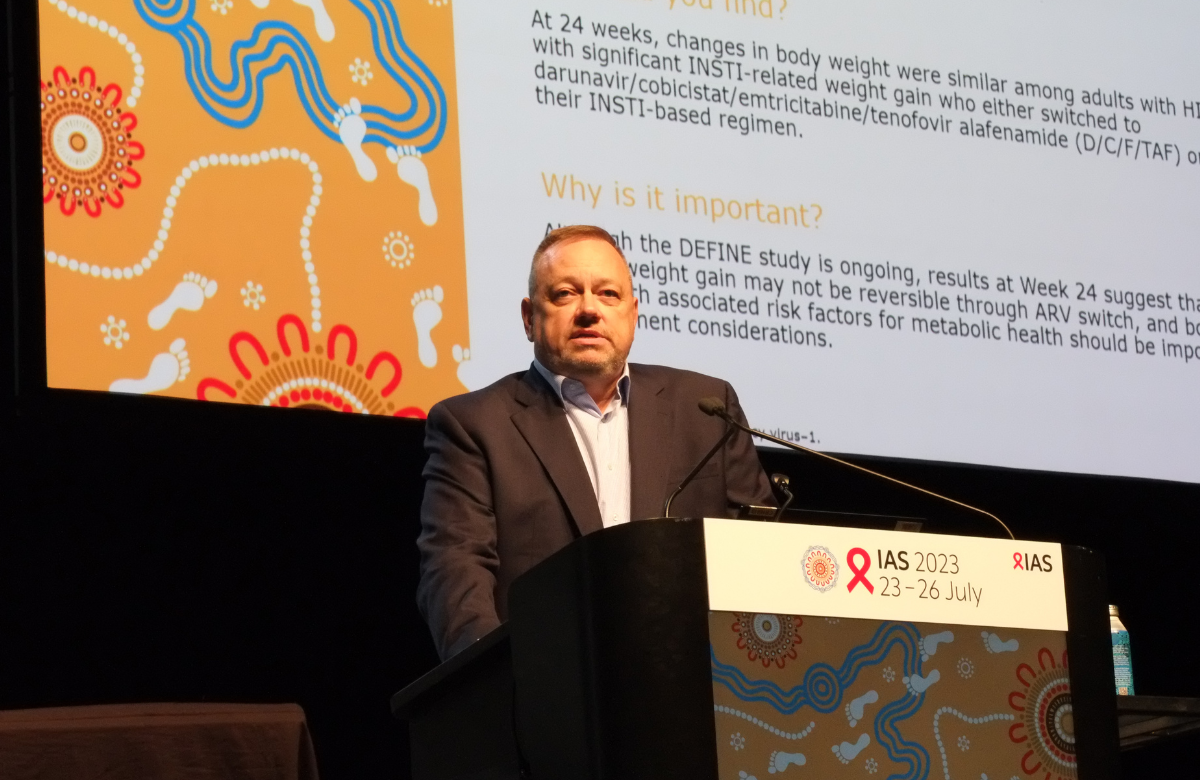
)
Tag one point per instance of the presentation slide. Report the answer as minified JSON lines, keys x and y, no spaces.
{"x":909,"y":229}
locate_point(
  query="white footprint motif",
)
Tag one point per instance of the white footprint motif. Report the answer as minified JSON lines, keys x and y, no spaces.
{"x":427,"y":313}
{"x":847,"y":752}
{"x":854,"y":710}
{"x":993,"y":644}
{"x":190,"y":295}
{"x":746,"y":776}
{"x":917,"y":684}
{"x":929,"y":644}
{"x":321,"y":18}
{"x":412,"y":170}
{"x":780,"y":761}
{"x":352,"y":129}
{"x":467,"y":373}
{"x":166,"y":369}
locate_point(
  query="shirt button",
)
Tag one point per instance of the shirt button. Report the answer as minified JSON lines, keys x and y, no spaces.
{"x":610,"y":467}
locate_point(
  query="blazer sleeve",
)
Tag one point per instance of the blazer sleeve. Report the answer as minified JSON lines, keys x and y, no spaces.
{"x":457,"y":542}
{"x":745,"y":480}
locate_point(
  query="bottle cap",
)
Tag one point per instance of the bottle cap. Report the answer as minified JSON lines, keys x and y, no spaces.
{"x":1112,"y":610}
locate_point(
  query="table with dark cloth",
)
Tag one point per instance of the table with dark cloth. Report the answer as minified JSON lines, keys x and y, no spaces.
{"x":157,"y":742}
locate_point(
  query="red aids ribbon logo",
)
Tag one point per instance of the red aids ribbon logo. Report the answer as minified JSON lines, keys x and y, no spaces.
{"x":1017,"y":561}
{"x":860,"y":570}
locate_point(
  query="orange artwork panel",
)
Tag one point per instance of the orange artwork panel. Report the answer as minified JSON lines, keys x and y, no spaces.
{"x":254,"y":201}
{"x":847,"y":698}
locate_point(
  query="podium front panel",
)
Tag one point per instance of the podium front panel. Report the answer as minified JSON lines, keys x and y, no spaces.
{"x":820,"y":665}
{"x":736,"y":650}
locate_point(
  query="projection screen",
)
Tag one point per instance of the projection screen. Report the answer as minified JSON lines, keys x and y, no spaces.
{"x":937,"y":230}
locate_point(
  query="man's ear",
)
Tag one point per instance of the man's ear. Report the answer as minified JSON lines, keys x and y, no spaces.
{"x":527,"y":317}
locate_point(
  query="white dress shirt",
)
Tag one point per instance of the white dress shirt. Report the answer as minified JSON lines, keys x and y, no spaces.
{"x":602,"y":438}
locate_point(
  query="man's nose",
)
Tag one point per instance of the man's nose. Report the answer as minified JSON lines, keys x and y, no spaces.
{"x":589,"y":308}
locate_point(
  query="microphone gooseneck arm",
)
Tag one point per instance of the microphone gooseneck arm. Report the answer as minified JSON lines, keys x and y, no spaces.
{"x":730,"y":429}
{"x":714,"y":407}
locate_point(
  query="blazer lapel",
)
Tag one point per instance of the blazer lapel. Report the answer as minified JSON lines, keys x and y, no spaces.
{"x":545,"y":428}
{"x":651,"y":423}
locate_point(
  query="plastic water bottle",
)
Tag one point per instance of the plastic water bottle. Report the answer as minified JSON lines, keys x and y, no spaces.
{"x":1122,"y":661}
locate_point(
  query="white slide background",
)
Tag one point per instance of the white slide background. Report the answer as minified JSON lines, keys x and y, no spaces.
{"x":1124,"y":219}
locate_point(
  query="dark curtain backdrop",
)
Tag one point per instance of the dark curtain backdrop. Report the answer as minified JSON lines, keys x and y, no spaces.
{"x":165,"y":550}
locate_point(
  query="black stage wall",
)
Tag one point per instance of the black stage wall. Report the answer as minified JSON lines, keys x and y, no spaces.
{"x":164,"y":550}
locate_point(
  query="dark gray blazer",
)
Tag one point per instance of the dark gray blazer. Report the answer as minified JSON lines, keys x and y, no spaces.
{"x":505,"y":485}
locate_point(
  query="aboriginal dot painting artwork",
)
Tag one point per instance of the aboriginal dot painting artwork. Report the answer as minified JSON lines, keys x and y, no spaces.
{"x":254,"y":201}
{"x":841,"y":698}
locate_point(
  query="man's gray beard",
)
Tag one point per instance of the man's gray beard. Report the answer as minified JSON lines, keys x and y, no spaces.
{"x":577,"y":369}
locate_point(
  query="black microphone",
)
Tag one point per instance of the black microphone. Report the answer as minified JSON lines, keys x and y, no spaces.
{"x":783,"y":484}
{"x":729,"y":431}
{"x":715,"y":407}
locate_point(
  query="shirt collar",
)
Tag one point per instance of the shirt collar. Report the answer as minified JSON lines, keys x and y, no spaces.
{"x":573,"y":391}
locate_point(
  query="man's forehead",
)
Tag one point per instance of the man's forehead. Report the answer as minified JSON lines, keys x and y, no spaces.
{"x":572,"y":259}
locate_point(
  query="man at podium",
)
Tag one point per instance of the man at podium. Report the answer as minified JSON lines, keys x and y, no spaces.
{"x":580,"y":441}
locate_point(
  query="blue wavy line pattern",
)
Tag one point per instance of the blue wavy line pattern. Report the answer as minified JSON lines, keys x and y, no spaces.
{"x":275,"y":46}
{"x":823,"y":687}
{"x":896,"y":746}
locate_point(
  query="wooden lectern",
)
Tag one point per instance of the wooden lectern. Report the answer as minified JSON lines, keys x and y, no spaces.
{"x":717,"y":648}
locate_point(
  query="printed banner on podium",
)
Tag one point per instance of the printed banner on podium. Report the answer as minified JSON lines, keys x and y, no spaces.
{"x":853,"y":573}
{"x":843,"y":650}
